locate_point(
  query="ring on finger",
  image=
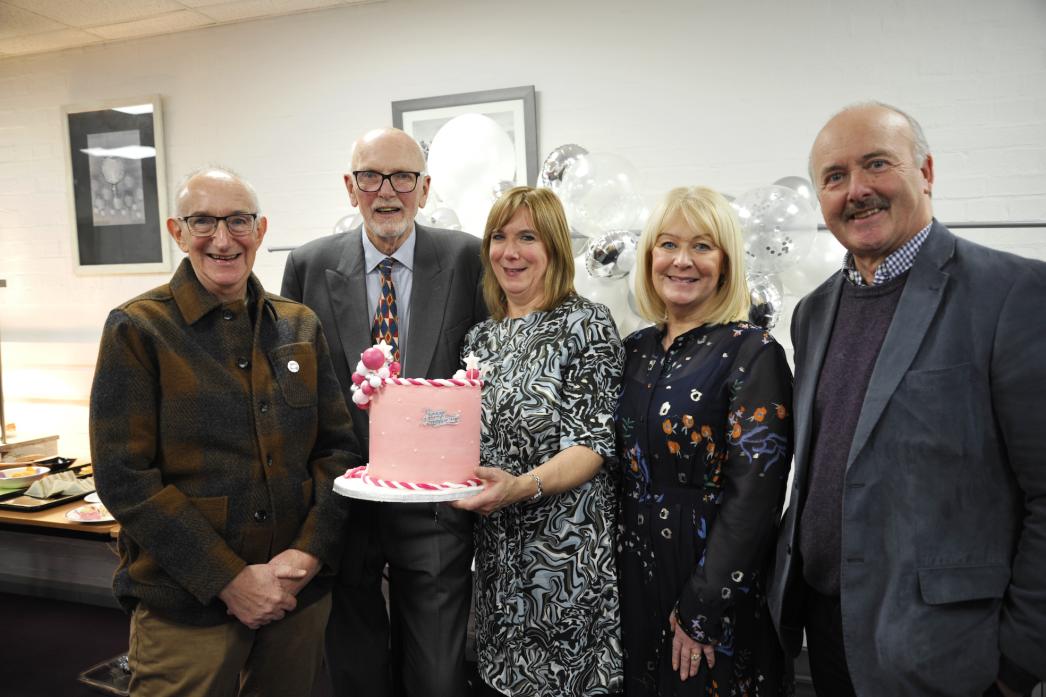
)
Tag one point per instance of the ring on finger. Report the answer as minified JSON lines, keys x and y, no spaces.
{"x":695,"y":657}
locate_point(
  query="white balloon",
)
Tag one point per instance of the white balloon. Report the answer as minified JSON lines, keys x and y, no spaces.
{"x":612,"y":292}
{"x":824,"y":258}
{"x":470,"y":152}
{"x":445,"y":218}
{"x":348,"y":222}
{"x":803,"y":187}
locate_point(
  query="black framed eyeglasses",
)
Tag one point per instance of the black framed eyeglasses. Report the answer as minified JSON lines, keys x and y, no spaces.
{"x":238,"y":224}
{"x":401,"y":182}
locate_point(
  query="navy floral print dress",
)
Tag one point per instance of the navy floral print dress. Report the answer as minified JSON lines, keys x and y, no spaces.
{"x":704,"y":437}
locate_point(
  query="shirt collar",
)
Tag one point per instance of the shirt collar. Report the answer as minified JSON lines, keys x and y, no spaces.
{"x":372,"y":256}
{"x":897,"y":263}
{"x":194,"y":301}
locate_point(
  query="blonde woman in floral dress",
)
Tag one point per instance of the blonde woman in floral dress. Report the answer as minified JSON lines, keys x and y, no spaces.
{"x":704,"y":436}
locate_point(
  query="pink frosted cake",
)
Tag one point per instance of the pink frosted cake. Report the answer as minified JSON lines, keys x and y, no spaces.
{"x":424,"y":434}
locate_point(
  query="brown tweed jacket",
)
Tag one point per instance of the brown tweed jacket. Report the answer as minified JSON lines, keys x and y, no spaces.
{"x":216,"y":434}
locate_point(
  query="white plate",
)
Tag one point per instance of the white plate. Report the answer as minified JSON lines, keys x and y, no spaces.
{"x":358,"y":489}
{"x":92,"y":498}
{"x":91,"y":513}
{"x":21,"y":477}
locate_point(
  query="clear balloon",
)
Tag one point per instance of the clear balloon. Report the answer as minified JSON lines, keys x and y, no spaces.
{"x":445,"y":218}
{"x":767,"y":295}
{"x":612,"y":255}
{"x":778,"y":226}
{"x":556,"y":164}
{"x":349,"y":222}
{"x":801,"y":186}
{"x":578,"y":242}
{"x":500,"y":188}
{"x":600,"y":193}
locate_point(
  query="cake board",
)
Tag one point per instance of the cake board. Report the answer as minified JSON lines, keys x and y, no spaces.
{"x":356,"y":488}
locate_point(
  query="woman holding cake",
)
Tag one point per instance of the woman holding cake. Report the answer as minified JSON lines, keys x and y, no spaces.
{"x":704,"y":436}
{"x":547,"y":613}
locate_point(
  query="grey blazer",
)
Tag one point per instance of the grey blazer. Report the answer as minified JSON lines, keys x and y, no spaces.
{"x":446,"y":300}
{"x":944,"y":499}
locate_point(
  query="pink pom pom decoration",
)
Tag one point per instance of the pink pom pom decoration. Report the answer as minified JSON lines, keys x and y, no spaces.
{"x":373,"y":358}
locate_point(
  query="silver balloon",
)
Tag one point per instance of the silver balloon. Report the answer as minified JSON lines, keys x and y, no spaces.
{"x":766,"y":293}
{"x":500,"y":188}
{"x":801,"y":186}
{"x":557,"y":162}
{"x":612,"y":255}
{"x":349,"y":222}
{"x":778,"y":226}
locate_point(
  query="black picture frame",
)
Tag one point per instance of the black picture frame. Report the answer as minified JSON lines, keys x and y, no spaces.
{"x":514,"y":108}
{"x":117,"y":186}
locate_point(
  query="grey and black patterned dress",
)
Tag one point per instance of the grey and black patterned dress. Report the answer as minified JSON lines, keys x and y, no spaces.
{"x":546,"y":600}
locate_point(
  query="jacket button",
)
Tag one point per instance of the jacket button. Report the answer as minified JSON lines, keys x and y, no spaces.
{"x":263,"y":407}
{"x":261,"y":516}
{"x":227,"y":315}
{"x":242,"y":362}
{"x":268,"y":461}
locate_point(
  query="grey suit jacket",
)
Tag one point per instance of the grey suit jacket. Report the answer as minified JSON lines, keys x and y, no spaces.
{"x":943,"y":571}
{"x":446,"y":300}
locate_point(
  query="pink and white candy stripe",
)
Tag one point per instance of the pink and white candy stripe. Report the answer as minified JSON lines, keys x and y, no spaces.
{"x":450,"y":382}
{"x":361,"y":474}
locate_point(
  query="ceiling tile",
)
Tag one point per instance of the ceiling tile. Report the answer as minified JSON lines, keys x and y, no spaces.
{"x":15,"y":21}
{"x":162,"y":24}
{"x":90,"y":13}
{"x":253,"y":9}
{"x":47,"y":41}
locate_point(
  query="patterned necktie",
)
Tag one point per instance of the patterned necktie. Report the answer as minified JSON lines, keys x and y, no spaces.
{"x":385,"y":326}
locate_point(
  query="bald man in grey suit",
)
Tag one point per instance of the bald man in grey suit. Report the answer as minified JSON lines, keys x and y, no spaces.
{"x":428,"y":547}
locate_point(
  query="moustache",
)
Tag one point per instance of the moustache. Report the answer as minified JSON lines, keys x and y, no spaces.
{"x":865,"y":204}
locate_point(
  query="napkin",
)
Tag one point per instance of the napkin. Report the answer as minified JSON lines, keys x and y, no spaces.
{"x":61,"y":484}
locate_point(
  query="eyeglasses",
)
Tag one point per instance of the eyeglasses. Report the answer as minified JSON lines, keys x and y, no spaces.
{"x":402,"y":182}
{"x":238,"y":224}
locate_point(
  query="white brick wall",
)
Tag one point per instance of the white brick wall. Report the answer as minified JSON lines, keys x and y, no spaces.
{"x":725,"y":94}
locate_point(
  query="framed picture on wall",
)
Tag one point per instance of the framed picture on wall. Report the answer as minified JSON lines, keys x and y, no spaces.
{"x":512,"y":108}
{"x":117,"y":189}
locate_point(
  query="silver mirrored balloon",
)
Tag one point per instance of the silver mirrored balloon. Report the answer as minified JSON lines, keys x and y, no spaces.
{"x":778,"y":226}
{"x":766,"y":293}
{"x":612,"y":255}
{"x":801,"y":186}
{"x":557,"y":162}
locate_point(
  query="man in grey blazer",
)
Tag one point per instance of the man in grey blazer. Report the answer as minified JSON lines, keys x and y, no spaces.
{"x":428,"y":547}
{"x":913,"y":551}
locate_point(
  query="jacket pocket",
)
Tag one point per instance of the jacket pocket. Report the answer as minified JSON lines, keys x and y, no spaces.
{"x":215,"y":509}
{"x":958,"y":584}
{"x":294,"y":367}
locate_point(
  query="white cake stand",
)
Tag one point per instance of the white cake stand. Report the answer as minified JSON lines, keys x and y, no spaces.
{"x":358,"y":489}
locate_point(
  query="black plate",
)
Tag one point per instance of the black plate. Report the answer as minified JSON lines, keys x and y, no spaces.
{"x":56,"y":463}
